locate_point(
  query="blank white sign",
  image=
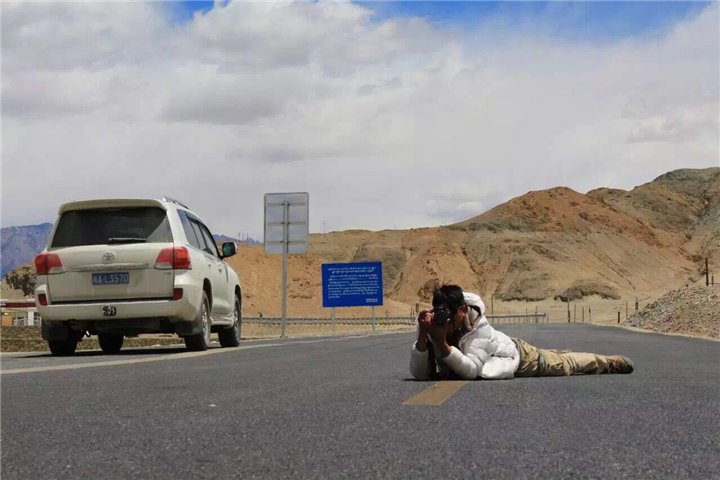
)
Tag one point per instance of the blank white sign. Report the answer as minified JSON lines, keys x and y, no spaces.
{"x":298,"y":205}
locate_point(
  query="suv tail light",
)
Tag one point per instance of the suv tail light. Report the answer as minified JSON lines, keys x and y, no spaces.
{"x":181,"y":258}
{"x":177,"y":258}
{"x":42,"y":298}
{"x":48,"y":264}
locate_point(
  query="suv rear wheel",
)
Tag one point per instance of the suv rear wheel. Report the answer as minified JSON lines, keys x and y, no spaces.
{"x":201,"y":341}
{"x":230,"y":337}
{"x":63,"y":348}
{"x":110,"y":342}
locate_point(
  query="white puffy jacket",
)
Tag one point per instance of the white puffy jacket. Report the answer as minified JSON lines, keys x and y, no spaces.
{"x":484,"y":352}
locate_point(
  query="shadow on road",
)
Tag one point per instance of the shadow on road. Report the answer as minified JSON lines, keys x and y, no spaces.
{"x":123,"y":353}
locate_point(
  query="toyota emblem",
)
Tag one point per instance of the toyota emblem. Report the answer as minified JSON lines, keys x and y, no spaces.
{"x":109,"y":257}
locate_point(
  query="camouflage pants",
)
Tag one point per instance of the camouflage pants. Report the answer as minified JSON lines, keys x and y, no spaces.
{"x":538,"y":362}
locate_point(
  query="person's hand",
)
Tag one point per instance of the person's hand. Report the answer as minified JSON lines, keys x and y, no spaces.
{"x":424,"y":322}
{"x":438,"y":334}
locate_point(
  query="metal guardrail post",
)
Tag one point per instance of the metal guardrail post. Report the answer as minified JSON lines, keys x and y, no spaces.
{"x":521,"y":318}
{"x":403,"y":320}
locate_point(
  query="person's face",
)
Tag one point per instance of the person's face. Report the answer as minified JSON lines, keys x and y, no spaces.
{"x":456,"y":321}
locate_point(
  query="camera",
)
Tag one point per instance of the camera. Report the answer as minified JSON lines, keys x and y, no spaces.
{"x":441,"y":315}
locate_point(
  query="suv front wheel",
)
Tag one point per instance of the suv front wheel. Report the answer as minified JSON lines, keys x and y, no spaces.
{"x":201,"y":341}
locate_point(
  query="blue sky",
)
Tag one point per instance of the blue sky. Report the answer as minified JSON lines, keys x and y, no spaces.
{"x":575,"y":21}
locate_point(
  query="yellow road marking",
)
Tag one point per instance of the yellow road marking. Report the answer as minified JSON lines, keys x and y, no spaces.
{"x":175,"y":356}
{"x":437,"y":394}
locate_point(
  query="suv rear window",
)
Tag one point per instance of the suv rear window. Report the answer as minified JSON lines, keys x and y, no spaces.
{"x":112,"y":226}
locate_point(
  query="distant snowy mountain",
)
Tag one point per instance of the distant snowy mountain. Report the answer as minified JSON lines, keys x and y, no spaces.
{"x":225,"y":238}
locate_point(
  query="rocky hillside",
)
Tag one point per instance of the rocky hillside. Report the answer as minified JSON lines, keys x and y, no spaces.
{"x":550,"y":244}
{"x":20,"y":245}
{"x":684,"y":205}
{"x":19,"y":283}
{"x":560,"y":243}
{"x":545,"y":245}
{"x":691,"y":310}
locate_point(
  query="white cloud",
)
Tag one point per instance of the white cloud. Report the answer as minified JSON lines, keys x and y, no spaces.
{"x":93,"y":36}
{"x":386,"y":123}
{"x":206,"y":96}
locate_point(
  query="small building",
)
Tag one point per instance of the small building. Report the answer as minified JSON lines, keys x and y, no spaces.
{"x":19,"y":313}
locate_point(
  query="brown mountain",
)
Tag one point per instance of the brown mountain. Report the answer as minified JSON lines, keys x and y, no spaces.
{"x":547,"y":244}
{"x":543,"y":245}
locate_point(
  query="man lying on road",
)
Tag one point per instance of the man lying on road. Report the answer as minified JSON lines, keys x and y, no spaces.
{"x":463,"y":344}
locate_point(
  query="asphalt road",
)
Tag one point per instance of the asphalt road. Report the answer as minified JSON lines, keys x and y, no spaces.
{"x":332,"y":408}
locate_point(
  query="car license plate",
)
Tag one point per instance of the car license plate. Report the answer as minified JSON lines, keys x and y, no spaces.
{"x":119,"y":278}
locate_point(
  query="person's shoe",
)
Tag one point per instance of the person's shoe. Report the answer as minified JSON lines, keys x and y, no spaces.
{"x":620,"y":364}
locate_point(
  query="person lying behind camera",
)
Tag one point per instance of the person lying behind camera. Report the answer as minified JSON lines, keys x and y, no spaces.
{"x":455,"y":340}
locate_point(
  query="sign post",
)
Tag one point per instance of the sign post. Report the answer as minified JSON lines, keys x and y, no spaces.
{"x":286,"y":231}
{"x":352,"y":285}
{"x":286,"y":207}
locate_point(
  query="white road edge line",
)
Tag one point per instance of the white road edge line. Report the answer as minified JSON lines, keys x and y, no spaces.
{"x":177,"y":356}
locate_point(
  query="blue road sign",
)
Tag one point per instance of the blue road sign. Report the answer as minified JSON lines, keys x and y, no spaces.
{"x":352,"y":284}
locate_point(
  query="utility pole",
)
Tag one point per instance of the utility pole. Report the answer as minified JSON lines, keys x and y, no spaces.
{"x":568,"y":309}
{"x":707,"y":273}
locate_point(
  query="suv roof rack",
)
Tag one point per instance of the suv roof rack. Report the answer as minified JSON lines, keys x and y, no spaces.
{"x":172,"y":200}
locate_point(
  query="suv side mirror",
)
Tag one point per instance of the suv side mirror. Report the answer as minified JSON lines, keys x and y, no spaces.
{"x":228,"y":249}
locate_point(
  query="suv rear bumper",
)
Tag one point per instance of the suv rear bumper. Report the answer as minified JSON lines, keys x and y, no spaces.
{"x":185,"y":309}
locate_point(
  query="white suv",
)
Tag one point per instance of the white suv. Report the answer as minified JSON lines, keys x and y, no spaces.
{"x":118,"y":268}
